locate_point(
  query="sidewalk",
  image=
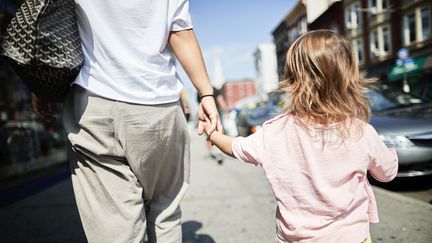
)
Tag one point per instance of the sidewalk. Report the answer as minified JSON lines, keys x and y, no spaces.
{"x":234,"y":203}
{"x":402,"y":219}
{"x":225,"y":204}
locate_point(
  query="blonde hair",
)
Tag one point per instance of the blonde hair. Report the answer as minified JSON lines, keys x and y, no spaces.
{"x":322,"y":76}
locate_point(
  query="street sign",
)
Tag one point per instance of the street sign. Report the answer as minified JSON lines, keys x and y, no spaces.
{"x":399,"y":62}
{"x":405,"y":64}
{"x":403,"y":53}
{"x":409,"y":63}
{"x":407,"y":67}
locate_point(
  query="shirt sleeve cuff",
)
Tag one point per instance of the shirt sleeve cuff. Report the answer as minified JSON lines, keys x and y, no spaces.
{"x":181,"y":25}
{"x":238,"y":151}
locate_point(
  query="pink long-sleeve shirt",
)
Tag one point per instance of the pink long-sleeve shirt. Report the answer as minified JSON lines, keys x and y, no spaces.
{"x":319,"y":180}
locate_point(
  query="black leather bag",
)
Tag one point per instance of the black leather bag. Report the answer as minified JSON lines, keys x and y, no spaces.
{"x":42,"y":43}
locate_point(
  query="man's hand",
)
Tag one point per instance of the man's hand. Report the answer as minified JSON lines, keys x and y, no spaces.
{"x":44,"y":109}
{"x":207,"y":109}
{"x":223,"y":142}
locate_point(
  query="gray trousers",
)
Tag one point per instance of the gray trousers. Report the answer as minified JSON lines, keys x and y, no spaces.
{"x":130,"y":167}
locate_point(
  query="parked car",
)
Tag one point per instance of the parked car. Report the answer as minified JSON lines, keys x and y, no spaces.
{"x":404,"y":122}
{"x":251,"y":118}
{"x":423,"y":89}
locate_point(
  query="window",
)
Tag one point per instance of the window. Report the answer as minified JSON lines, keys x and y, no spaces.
{"x":335,"y":28}
{"x":303,"y":26}
{"x":410,"y":31}
{"x":372,"y":3}
{"x":425,"y":23}
{"x":292,"y":34}
{"x":417,"y":26}
{"x":352,"y":16}
{"x":380,"y":41}
{"x":374,"y":46}
{"x":384,"y":4}
{"x":386,"y":39}
{"x":358,"y":50}
{"x":377,"y":7}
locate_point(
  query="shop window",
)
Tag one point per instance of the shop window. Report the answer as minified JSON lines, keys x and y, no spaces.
{"x":26,"y":143}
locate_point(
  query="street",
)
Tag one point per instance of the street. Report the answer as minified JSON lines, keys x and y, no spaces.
{"x":225,"y":203}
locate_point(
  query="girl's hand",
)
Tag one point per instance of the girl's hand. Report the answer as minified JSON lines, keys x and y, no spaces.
{"x":223,"y":142}
{"x":208,"y":127}
{"x":208,"y":113}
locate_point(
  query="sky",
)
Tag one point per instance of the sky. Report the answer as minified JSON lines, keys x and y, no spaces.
{"x":233,"y":29}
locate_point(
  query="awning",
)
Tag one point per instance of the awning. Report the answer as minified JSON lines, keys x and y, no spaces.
{"x":398,"y":71}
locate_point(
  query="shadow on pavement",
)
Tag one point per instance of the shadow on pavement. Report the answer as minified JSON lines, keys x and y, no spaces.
{"x":190,"y":235}
{"x":24,"y":186}
{"x":406,"y":184}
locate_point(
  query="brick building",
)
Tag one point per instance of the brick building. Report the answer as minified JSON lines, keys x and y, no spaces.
{"x":237,"y":90}
{"x":377,"y":29}
{"x":291,"y":27}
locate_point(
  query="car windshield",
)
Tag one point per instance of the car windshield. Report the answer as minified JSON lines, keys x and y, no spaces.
{"x":259,"y":115}
{"x":380,"y":101}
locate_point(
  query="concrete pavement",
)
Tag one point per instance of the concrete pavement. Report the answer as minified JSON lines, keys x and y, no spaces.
{"x":49,"y":216}
{"x":402,"y":219}
{"x":234,"y":203}
{"x":228,"y":203}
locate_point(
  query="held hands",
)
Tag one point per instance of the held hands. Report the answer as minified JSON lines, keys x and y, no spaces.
{"x":208,"y":129}
{"x":208,"y":116}
{"x":216,"y":137}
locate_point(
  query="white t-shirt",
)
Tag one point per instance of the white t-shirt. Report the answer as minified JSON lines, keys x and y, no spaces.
{"x":127,"y":57}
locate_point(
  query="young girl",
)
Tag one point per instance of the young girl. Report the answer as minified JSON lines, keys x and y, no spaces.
{"x":317,"y":154}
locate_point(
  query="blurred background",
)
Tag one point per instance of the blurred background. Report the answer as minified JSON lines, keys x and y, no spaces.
{"x":244,"y":43}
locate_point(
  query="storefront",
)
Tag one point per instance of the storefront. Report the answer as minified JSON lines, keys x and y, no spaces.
{"x":416,"y":73}
{"x":26,"y":143}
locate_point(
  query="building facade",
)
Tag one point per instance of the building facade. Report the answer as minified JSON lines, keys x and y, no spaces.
{"x":266,"y":68}
{"x":235,"y":91}
{"x":326,"y":14}
{"x":291,"y":27}
{"x":378,"y":30}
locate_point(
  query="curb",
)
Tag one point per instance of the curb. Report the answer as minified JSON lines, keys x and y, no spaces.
{"x":401,"y":198}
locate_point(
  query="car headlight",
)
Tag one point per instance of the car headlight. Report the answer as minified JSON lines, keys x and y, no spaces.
{"x":396,"y":141}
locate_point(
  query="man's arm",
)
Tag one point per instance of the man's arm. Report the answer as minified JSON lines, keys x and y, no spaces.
{"x":186,"y":48}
